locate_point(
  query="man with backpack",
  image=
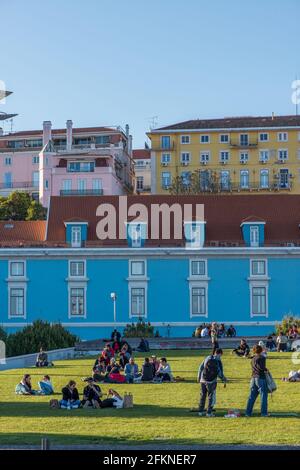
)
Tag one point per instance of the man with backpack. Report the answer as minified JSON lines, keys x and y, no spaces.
{"x":209,"y":371}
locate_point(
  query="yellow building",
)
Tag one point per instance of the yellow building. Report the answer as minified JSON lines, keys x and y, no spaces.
{"x":235,"y":154}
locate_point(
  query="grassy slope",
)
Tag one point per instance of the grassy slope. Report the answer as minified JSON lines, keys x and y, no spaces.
{"x":161,"y":411}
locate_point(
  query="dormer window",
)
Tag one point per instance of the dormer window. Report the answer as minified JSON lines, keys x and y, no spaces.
{"x":76,"y":236}
{"x":136,"y":234}
{"x":194,"y":234}
{"x":253,"y":229}
{"x":254,"y":236}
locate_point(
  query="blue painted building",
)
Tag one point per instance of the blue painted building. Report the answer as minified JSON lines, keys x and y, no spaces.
{"x":238,"y":264}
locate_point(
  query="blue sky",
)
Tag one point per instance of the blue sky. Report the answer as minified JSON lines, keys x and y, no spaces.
{"x":111,"y":62}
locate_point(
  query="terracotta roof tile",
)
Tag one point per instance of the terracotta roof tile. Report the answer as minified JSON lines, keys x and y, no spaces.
{"x":236,"y":122}
{"x":142,"y":154}
{"x":22,"y":231}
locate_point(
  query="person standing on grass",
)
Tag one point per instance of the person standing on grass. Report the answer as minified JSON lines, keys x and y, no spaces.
{"x":258,"y":383}
{"x":208,"y":373}
{"x":214,"y":337}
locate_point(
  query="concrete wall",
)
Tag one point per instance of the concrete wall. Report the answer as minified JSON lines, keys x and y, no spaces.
{"x":28,"y":360}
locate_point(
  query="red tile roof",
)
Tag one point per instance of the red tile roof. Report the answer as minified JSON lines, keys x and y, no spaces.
{"x":142,"y":154}
{"x":22,"y":232}
{"x":236,"y":122}
{"x":223,"y":216}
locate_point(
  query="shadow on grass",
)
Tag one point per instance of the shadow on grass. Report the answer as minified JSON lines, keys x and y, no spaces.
{"x":42,"y":409}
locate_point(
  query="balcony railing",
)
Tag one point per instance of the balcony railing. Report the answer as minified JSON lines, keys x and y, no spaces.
{"x":244,"y":145}
{"x":20,"y":185}
{"x":81,"y":192}
{"x":164,"y":148}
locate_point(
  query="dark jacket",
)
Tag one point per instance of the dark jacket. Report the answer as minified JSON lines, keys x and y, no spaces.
{"x":69,"y":394}
{"x":90,"y":394}
{"x":258,"y":364}
{"x":147,"y":372}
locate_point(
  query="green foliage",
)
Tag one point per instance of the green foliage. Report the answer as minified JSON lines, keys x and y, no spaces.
{"x":287,"y":322}
{"x":139,"y":330}
{"x":21,"y":206}
{"x":39,"y":334}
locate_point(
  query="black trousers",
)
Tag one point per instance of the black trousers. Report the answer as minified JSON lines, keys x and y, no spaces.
{"x":207,"y":390}
{"x":215,"y":345}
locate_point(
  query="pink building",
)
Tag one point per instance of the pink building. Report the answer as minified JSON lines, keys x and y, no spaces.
{"x":52,"y":162}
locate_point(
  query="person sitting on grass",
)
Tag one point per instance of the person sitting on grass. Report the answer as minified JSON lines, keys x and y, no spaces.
{"x":155,"y":364}
{"x":164,"y":372}
{"x":222,"y":331}
{"x":243,"y":350}
{"x":46,"y":386}
{"x":25,"y":387}
{"x":204,"y":332}
{"x":99,"y":370}
{"x":270,"y":343}
{"x":294,"y":376}
{"x":131,"y":371}
{"x":209,"y":371}
{"x":231,"y":332}
{"x":91,"y":394}
{"x":70,"y":399}
{"x":143,"y":346}
{"x":113,"y":374}
{"x":282,"y":342}
{"x":42,"y":359}
{"x":148,"y":371}
{"x":258,"y":383}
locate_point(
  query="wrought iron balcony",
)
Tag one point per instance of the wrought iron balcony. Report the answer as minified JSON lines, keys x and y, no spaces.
{"x":20,"y":185}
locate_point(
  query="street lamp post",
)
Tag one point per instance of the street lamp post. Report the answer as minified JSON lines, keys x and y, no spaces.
{"x":113,"y":297}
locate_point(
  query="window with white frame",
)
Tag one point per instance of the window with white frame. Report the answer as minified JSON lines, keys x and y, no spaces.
{"x":17,"y":269}
{"x":7,"y":161}
{"x":282,"y":136}
{"x":166,"y":158}
{"x":244,"y":179}
{"x":16,"y":302}
{"x":244,"y":157}
{"x":263,"y":137}
{"x":244,"y":139}
{"x":283,"y":154}
{"x":35,"y":160}
{"x":204,"y":157}
{"x":258,"y":267}
{"x":224,"y":156}
{"x":140,"y":183}
{"x":165,"y":179}
{"x":259,"y":301}
{"x":198,"y":301}
{"x":224,"y":138}
{"x":254,"y":236}
{"x":264,"y":179}
{"x":198,"y":267}
{"x":264,"y":155}
{"x":137,"y":268}
{"x":76,"y":236}
{"x":185,"y":139}
{"x":137,"y":302}
{"x":185,"y":157}
{"x":77,"y":302}
{"x":77,"y":269}
{"x":204,"y":139}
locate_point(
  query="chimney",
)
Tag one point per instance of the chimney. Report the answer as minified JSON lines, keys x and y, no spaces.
{"x":273,"y":115}
{"x":127,"y":130}
{"x":69,"y":134}
{"x":46,"y":132}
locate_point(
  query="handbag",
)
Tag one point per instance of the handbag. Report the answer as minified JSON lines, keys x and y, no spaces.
{"x":128,"y":400}
{"x":271,"y":385}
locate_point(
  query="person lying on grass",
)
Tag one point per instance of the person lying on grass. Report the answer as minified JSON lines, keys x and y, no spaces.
{"x":70,"y":399}
{"x":294,"y":376}
{"x":46,"y":387}
{"x":25,"y":387}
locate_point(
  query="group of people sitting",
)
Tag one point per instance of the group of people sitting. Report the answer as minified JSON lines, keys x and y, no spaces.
{"x":25,"y":387}
{"x":205,"y":331}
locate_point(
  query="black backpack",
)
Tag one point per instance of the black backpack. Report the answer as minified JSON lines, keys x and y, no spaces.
{"x":210,"y":371}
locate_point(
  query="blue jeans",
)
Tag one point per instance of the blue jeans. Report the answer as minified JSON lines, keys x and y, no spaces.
{"x":73,"y":404}
{"x":258,"y":387}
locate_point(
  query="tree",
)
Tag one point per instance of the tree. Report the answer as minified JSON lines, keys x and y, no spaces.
{"x":21,"y":206}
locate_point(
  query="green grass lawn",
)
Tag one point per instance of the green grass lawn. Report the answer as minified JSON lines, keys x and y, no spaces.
{"x":161,"y":411}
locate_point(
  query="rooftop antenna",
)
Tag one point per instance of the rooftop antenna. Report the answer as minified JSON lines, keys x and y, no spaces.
{"x":153,"y":120}
{"x":11,"y":125}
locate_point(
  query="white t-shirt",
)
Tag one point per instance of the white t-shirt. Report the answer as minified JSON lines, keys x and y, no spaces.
{"x":118,"y":402}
